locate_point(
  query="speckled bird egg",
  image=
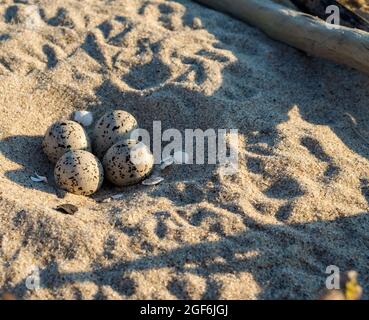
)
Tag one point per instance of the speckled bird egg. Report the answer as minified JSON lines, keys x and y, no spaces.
{"x":112,"y":127}
{"x":63,"y":136}
{"x":79,"y":172}
{"x":128,"y":162}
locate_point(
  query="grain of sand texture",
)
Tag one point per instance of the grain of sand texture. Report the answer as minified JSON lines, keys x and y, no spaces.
{"x":298,"y":203}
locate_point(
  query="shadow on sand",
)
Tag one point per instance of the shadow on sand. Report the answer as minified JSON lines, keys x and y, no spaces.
{"x":27,"y":152}
{"x":272,"y":272}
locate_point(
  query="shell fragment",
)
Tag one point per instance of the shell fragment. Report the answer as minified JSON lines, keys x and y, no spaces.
{"x":152,"y":181}
{"x":38,"y":178}
{"x":83,"y":117}
{"x":166,"y":163}
{"x":117,"y":196}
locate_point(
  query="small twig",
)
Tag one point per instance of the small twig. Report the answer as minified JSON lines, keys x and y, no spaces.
{"x":318,"y":8}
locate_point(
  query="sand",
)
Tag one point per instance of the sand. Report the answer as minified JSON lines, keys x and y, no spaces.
{"x":298,"y":203}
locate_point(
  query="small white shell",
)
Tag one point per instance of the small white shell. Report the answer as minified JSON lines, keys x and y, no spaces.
{"x":152,"y":181}
{"x":83,"y":117}
{"x":166,"y":163}
{"x":117,"y":196}
{"x":38,"y":178}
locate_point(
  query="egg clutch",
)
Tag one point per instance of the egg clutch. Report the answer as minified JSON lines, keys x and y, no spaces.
{"x":82,"y":164}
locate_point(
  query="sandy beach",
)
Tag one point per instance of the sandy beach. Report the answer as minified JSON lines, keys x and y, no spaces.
{"x":298,"y":203}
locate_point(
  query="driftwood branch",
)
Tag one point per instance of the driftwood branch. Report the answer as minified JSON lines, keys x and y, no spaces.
{"x":318,"y":8}
{"x":305,"y":32}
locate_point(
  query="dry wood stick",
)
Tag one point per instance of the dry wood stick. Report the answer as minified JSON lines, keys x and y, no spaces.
{"x":305,"y":32}
{"x":318,"y":8}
